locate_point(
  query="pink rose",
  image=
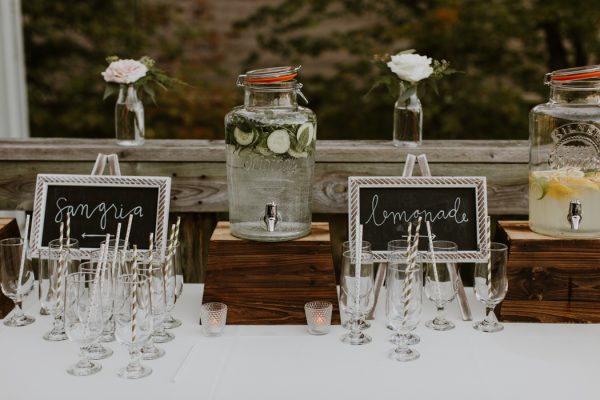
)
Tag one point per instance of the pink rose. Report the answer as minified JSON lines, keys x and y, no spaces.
{"x":124,"y":71}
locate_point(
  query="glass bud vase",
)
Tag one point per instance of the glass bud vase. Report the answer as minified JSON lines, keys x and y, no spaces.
{"x":129,"y":117}
{"x":408,"y":119}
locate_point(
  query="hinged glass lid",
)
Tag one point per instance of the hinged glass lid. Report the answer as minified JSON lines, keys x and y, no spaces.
{"x":577,"y":74}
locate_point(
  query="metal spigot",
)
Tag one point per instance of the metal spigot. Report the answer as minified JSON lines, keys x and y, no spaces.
{"x":271,"y":217}
{"x":575,"y":214}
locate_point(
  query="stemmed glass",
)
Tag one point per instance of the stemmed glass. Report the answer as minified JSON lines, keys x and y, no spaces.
{"x":397,"y":254}
{"x":348,"y":294}
{"x":155,"y":273}
{"x":490,"y":285}
{"x":53,"y":281}
{"x":97,"y":351}
{"x":400,"y":245}
{"x":113,"y":262}
{"x":133,"y":317}
{"x":174,"y":281}
{"x":14,"y":286}
{"x":441,"y":284}
{"x":83,"y":318}
{"x":364,"y":323}
{"x":403,"y":305}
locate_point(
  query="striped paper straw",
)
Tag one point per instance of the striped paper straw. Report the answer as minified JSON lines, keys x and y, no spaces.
{"x":60,"y":273}
{"x":134,"y":299}
{"x":357,"y":263}
{"x":23,"y":255}
{"x":489,"y":266}
{"x":411,"y":262}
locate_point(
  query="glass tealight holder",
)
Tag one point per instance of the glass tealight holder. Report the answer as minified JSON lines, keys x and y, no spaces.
{"x":213,"y":317}
{"x":318,"y":317}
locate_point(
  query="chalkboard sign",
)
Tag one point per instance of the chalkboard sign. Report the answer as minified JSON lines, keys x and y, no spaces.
{"x":456,"y":208}
{"x":96,"y":205}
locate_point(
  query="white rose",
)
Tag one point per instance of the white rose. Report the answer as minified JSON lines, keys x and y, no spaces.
{"x":411,"y":67}
{"x":124,"y":71}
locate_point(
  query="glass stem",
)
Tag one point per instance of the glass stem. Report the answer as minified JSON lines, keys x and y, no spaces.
{"x":489,"y":310}
{"x":134,"y":358}
{"x":84,"y":361}
{"x":58,"y":321}
{"x":355,"y":326}
{"x":18,"y":314}
{"x":440,"y":314}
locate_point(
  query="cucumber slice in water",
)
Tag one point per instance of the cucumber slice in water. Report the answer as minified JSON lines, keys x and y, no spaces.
{"x":305,"y":135}
{"x":278,"y":141}
{"x":297,"y":154}
{"x":243,"y":138}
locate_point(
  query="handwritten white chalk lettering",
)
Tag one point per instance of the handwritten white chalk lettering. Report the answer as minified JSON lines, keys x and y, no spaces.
{"x":103,"y":210}
{"x":398,"y":217}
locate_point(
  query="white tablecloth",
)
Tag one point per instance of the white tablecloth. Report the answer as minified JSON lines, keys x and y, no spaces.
{"x":525,"y":361}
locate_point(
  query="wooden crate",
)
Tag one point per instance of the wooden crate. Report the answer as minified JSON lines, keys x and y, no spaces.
{"x":269,"y":283}
{"x":550,"y":279}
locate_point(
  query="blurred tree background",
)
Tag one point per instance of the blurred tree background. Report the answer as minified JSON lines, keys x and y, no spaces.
{"x":502,"y":47}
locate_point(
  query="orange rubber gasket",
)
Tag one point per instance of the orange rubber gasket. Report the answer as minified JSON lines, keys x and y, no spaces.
{"x":576,"y":76}
{"x":273,"y":79}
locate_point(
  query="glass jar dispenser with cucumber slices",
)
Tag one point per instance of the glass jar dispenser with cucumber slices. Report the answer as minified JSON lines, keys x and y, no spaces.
{"x":270,"y":144}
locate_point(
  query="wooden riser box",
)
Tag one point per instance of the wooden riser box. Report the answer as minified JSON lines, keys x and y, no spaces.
{"x":549,"y":279}
{"x":269,"y":283}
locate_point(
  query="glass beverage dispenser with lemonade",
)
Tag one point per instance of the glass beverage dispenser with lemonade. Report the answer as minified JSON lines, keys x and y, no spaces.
{"x":270,"y":158}
{"x":564,"y":163}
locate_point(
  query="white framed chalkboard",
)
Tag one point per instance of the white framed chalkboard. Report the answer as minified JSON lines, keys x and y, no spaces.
{"x":96,"y":205}
{"x":456,"y":207}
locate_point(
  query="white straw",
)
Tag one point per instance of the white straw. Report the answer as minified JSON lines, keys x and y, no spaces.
{"x":127,"y":232}
{"x":177,"y":229}
{"x":115,"y":251}
{"x":357,"y":263}
{"x":433,"y":264}
{"x":411,"y":263}
{"x":23,"y":255}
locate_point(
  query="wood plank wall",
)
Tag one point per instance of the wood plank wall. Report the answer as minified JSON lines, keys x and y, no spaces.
{"x":199,"y":191}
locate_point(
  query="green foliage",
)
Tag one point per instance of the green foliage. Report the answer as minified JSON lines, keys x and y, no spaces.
{"x":503,"y":48}
{"x":65,"y":43}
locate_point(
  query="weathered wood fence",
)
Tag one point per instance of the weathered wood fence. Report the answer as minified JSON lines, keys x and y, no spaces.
{"x":199,"y":190}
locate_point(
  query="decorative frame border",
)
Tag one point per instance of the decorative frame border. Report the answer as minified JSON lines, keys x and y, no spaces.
{"x":355,"y":183}
{"x":41,"y":189}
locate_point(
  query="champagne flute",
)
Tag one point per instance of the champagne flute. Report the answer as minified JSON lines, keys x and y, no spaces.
{"x":153,"y":269}
{"x":83,"y":318}
{"x":403,"y":305}
{"x":54,"y":270}
{"x":14,"y":283}
{"x":401,"y":245}
{"x":174,"y":279}
{"x":133,"y":317}
{"x":97,"y":351}
{"x":114,"y":262}
{"x":348,"y":294}
{"x":441,"y":284}
{"x":397,"y":255}
{"x":490,"y":285}
{"x":366,"y":246}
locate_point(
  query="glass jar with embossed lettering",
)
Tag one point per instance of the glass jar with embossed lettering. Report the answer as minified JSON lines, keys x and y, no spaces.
{"x":564,"y":162}
{"x":270,"y":157}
